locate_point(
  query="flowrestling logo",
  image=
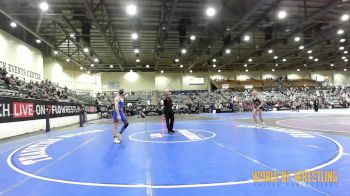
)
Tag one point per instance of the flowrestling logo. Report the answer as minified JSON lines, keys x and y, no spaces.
{"x":25,"y":109}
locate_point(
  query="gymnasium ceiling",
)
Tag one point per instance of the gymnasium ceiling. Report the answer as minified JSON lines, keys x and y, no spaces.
{"x":164,"y":28}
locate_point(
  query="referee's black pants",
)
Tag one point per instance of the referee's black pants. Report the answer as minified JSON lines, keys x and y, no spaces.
{"x":169,"y":118}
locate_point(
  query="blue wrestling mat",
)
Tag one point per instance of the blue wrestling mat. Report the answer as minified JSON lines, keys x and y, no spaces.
{"x":203,"y":157}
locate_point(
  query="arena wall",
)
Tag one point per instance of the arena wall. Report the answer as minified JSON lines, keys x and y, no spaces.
{"x":69,"y":75}
{"x":20,"y":59}
{"x":22,"y":127}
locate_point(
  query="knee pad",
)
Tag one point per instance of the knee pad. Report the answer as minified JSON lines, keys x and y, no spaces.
{"x":126,"y":125}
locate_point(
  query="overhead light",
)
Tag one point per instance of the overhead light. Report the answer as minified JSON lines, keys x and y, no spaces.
{"x":96,"y":60}
{"x":81,"y":68}
{"x":181,"y":66}
{"x":270,"y":51}
{"x":147,"y":66}
{"x":298,"y":69}
{"x":345,"y":69}
{"x":137,"y":60}
{"x":55,"y":52}
{"x":331,"y":65}
{"x":191,"y":71}
{"x":275,"y":57}
{"x":284,"y":60}
{"x":214,"y":60}
{"x":88,"y":72}
{"x":176,"y":60}
{"x":68,"y":60}
{"x":134,"y":36}
{"x":250,"y":60}
{"x":246,"y":38}
{"x":341,"y":48}
{"x":301,"y":47}
{"x":219,"y":70}
{"x":282,"y":14}
{"x":343,"y":57}
{"x":214,"y":65}
{"x":136,"y":51}
{"x":71,"y":35}
{"x":346,"y":60}
{"x":193,"y":37}
{"x":13,"y":24}
{"x":86,"y":50}
{"x":345,"y":51}
{"x":340,"y":31}
{"x":342,"y":40}
{"x":304,"y":64}
{"x":311,"y":57}
{"x":297,"y":39}
{"x":161,"y":71}
{"x":273,"y":69}
{"x":111,"y":66}
{"x":183,"y":51}
{"x":246,"y":70}
{"x":38,"y":41}
{"x":344,"y":17}
{"x":245,"y":65}
{"x":210,"y":12}
{"x":309,"y":51}
{"x":131,"y":70}
{"x":228,"y":51}
{"x":131,"y":9}
{"x":43,"y":6}
{"x":276,"y":65}
{"x":316,"y":60}
{"x":92,"y":65}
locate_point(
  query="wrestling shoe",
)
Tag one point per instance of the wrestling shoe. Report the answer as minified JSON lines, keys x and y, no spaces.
{"x":263,"y":124}
{"x":120,"y":137}
{"x":116,"y":140}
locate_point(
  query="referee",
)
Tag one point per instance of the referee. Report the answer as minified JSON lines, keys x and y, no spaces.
{"x":168,"y":112}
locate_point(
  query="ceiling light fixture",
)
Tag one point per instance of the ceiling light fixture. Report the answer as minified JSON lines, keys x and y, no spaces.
{"x":44,"y":6}
{"x":210,"y":11}
{"x":282,"y":14}
{"x":134,"y":36}
{"x":340,"y":31}
{"x":131,"y":10}
{"x":344,"y":17}
{"x":13,"y":24}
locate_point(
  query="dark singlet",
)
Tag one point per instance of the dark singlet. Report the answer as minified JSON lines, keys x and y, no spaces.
{"x":256,"y":102}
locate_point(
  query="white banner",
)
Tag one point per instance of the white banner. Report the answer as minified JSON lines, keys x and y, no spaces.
{"x":226,"y":86}
{"x":196,"y":81}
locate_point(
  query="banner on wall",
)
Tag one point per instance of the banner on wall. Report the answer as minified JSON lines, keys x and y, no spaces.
{"x":196,"y":81}
{"x":12,"y":109}
{"x":225,"y":86}
{"x":20,"y":72}
{"x":248,"y":86}
{"x":113,"y":85}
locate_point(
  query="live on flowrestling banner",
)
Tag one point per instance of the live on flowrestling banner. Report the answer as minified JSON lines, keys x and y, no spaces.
{"x":15,"y":109}
{"x":299,"y":177}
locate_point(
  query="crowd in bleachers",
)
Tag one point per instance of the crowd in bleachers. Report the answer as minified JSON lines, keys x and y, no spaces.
{"x":11,"y":86}
{"x":193,"y":101}
{"x":234,"y":100}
